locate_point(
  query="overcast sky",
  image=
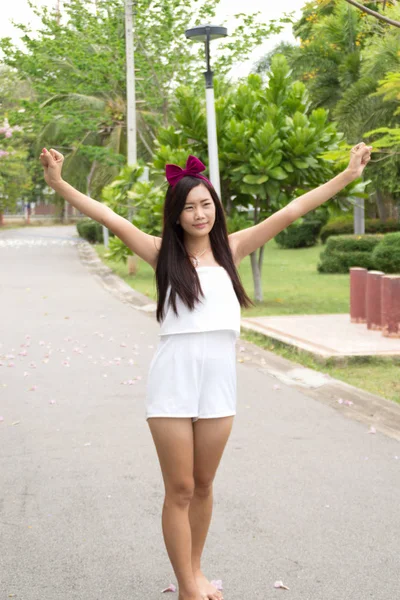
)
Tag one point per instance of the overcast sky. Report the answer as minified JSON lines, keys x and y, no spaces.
{"x":20,"y":12}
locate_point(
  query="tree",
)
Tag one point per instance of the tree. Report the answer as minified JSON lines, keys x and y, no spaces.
{"x":342,"y":57}
{"x":270,"y":144}
{"x":76,"y":67}
{"x":15,"y":180}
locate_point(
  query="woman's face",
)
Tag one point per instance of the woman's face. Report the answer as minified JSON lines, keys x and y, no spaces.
{"x":199,"y":208}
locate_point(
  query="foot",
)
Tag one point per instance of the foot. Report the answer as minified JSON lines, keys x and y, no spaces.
{"x":206,"y":589}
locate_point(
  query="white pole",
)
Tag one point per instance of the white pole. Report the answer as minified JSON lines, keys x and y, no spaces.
{"x":130,"y":85}
{"x":212,"y":140}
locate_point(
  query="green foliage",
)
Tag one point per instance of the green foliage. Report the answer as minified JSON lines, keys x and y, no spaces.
{"x":344,"y":226}
{"x":350,"y":64}
{"x":118,"y":250}
{"x":299,"y":235}
{"x":115,"y":195}
{"x":343,"y":252}
{"x":90,"y":230}
{"x":128,"y":196}
{"x":75,"y":66}
{"x":269,"y":141}
{"x":149,"y":205}
{"x":304,"y":232}
{"x":386,"y":255}
{"x":238,"y":221}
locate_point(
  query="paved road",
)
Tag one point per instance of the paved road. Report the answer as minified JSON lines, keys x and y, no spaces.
{"x":303,"y":494}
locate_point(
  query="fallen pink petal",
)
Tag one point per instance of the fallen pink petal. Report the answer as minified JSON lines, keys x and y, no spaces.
{"x":279,"y":584}
{"x":33,"y":388}
{"x":1,"y":419}
{"x":349,"y":402}
{"x":217,"y":583}
{"x":277,"y":387}
{"x":372,"y":429}
{"x":170,"y":588}
{"x":340,"y":401}
{"x":52,"y":401}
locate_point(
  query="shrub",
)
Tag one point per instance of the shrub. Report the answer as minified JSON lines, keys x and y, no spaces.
{"x":90,"y":230}
{"x":386,"y":255}
{"x":299,"y":235}
{"x":342,"y":226}
{"x":118,"y":250}
{"x":343,"y":252}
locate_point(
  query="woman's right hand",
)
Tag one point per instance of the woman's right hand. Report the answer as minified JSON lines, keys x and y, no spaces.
{"x":52,"y":162}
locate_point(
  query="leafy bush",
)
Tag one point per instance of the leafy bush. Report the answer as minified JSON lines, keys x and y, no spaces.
{"x":343,"y":226}
{"x":238,"y":221}
{"x":299,"y":235}
{"x":343,"y":252}
{"x":117,"y":250}
{"x":304,"y":232}
{"x":386,"y":255}
{"x":90,"y":230}
{"x":146,"y":200}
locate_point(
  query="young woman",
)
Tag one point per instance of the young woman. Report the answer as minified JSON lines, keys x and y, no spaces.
{"x":191,"y":387}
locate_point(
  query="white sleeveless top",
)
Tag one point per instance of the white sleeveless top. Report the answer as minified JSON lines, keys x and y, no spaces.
{"x":219,"y":308}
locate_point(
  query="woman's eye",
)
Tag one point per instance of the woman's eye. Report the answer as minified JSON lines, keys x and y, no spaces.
{"x":206,"y":204}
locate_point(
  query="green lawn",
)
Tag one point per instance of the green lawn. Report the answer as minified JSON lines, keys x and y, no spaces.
{"x":292,"y":285}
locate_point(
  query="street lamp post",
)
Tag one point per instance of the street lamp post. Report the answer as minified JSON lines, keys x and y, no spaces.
{"x":206,"y":33}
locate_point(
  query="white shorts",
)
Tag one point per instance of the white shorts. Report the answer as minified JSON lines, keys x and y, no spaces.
{"x":193,"y":375}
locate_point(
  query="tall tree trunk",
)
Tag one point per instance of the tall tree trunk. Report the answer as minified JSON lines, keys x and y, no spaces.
{"x":256,"y":267}
{"x":90,"y":177}
{"x":256,"y":264}
{"x":380,"y":204}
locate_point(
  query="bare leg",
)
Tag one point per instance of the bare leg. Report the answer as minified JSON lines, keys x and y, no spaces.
{"x":200,"y":513}
{"x":210,"y":438}
{"x":173,"y":438}
{"x":178,"y":541}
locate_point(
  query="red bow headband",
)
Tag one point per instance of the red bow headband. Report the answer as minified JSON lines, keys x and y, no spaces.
{"x":194,"y":166}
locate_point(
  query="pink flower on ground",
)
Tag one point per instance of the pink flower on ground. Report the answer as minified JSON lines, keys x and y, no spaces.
{"x":279,"y":584}
{"x":170,"y":588}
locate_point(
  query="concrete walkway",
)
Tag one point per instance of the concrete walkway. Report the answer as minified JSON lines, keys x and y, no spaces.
{"x":304,"y":493}
{"x":327,"y":336}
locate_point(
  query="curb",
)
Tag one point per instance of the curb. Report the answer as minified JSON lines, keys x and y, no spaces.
{"x":367,"y":408}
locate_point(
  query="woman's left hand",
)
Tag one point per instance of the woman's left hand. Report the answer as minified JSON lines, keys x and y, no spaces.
{"x":360,"y":156}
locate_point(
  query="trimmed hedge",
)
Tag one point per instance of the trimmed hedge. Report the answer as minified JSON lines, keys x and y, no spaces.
{"x":345,"y":251}
{"x":386,"y":256}
{"x":91,"y":230}
{"x":343,"y":226}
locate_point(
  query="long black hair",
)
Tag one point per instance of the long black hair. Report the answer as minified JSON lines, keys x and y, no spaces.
{"x":174,"y":266}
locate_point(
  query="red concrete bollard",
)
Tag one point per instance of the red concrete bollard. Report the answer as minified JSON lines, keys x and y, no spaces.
{"x":391,"y":306}
{"x":373,"y":299}
{"x":358,"y":285}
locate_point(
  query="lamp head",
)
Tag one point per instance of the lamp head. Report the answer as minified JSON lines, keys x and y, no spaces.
{"x":199,"y":33}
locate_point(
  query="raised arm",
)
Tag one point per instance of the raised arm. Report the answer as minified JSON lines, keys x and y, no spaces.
{"x":249,"y":239}
{"x":144,"y":245}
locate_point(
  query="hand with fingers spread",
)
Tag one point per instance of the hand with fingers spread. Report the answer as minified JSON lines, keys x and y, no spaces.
{"x":360,"y":155}
{"x":52,"y":162}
